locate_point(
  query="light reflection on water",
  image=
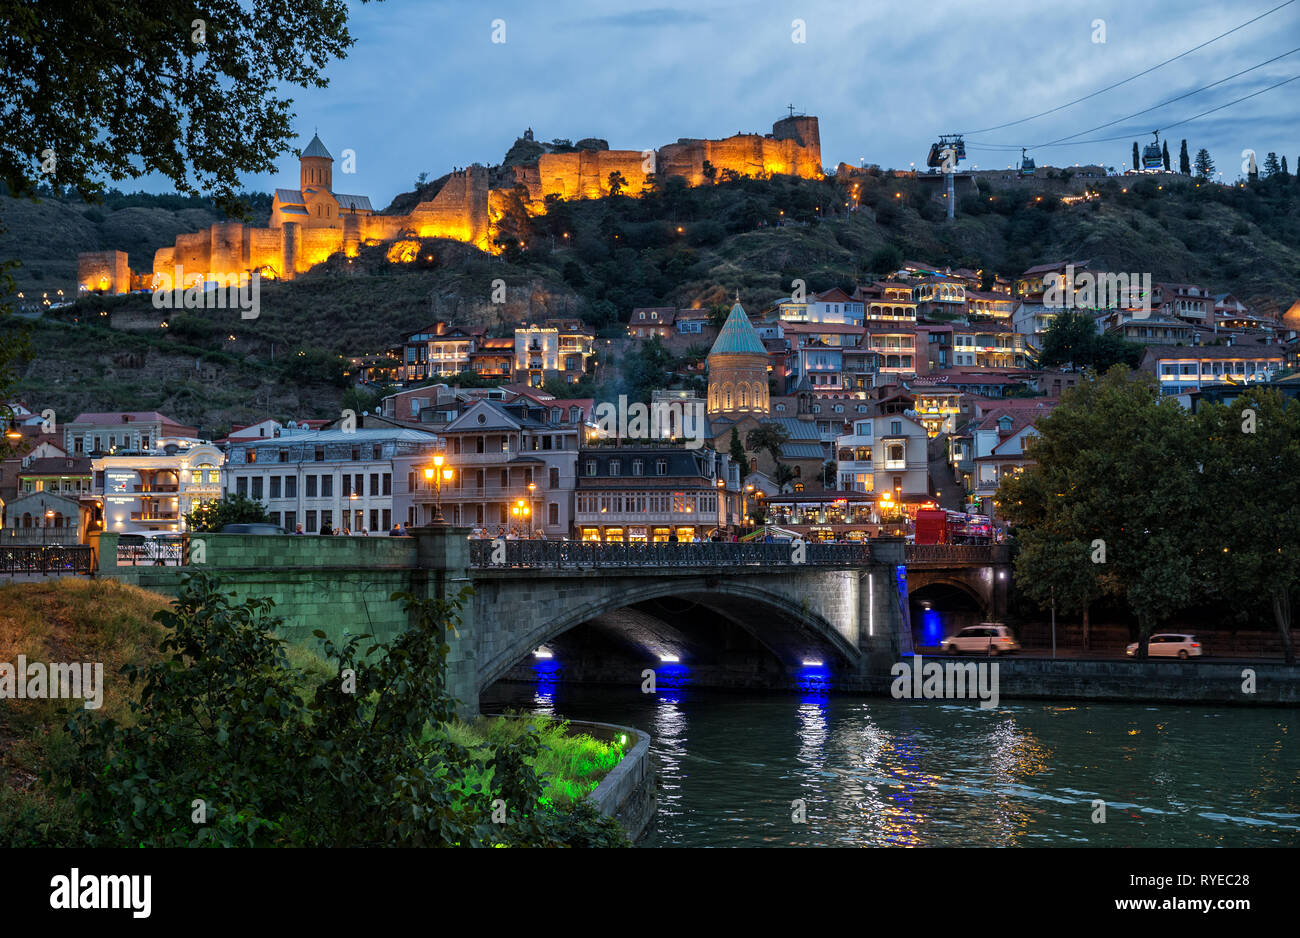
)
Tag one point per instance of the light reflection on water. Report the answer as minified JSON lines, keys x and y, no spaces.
{"x":873,"y":771}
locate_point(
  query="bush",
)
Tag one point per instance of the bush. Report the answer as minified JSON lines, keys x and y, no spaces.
{"x":366,"y":759}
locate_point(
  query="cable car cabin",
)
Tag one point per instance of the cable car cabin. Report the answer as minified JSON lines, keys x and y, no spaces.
{"x":936,"y":156}
{"x":1152,"y":158}
{"x":1027,"y":166}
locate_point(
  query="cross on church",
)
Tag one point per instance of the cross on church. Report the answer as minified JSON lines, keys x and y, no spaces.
{"x":791,"y":107}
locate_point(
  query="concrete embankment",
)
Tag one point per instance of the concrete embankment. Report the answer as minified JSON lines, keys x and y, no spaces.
{"x":1189,"y":681}
{"x":627,"y":793}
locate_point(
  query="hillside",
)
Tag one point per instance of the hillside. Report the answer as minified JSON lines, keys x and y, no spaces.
{"x":599,"y":259}
{"x":47,"y":235}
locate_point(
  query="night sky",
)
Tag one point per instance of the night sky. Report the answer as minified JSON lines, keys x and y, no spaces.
{"x":425,"y":89}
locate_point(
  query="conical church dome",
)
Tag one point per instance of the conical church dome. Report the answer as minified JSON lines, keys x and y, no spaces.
{"x":737,"y":336}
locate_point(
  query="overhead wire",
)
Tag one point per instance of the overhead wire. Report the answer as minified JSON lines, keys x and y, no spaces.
{"x":1131,"y":77}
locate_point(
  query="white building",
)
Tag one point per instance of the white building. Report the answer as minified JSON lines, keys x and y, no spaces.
{"x":326,"y":478}
{"x":151,"y":490}
{"x":494,"y":451}
{"x":883,"y":453}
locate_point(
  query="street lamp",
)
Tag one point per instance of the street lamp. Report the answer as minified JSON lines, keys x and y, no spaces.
{"x":521,"y":511}
{"x":532,"y":487}
{"x":436,"y":474}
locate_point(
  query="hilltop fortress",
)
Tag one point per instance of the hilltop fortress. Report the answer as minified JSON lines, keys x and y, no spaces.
{"x":313,"y":222}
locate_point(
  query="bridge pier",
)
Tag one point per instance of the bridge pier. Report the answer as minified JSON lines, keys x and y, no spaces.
{"x":885,"y":632}
{"x":442,"y":558}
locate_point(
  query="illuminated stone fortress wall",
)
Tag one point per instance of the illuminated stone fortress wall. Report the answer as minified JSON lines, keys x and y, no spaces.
{"x":312,"y":222}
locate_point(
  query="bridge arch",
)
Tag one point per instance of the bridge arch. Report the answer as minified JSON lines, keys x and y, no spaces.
{"x":780,"y":623}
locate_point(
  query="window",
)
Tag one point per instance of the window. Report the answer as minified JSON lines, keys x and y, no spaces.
{"x":290,"y":521}
{"x":590,"y":468}
{"x":552,"y":513}
{"x":250,"y":455}
{"x":290,"y":486}
{"x":356,"y":452}
{"x":374,"y":484}
{"x":284,"y":455}
{"x":895,"y":426}
{"x":388,"y":487}
{"x":347,"y":485}
{"x":377,"y":451}
{"x":553,"y":480}
{"x":319,"y":454}
{"x":661,"y":467}
{"x":257,"y":487}
{"x":311,"y":521}
{"x":327,"y":486}
{"x":615,"y":467}
{"x":638,"y":467}
{"x":241,"y":485}
{"x":275,"y":486}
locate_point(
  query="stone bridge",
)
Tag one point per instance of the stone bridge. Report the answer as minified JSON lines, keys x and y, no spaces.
{"x":753,"y":614}
{"x":980,"y":573}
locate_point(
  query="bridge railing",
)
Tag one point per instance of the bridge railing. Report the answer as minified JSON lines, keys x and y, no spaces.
{"x":53,"y":558}
{"x":524,"y":553}
{"x":956,"y":553}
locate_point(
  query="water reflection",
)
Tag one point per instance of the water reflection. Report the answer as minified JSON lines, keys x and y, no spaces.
{"x":907,"y":773}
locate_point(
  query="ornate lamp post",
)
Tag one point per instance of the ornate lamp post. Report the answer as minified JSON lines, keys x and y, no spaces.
{"x":437,"y":474}
{"x":532,"y":487}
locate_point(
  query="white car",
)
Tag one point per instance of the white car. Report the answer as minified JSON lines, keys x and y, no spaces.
{"x":1169,"y":645}
{"x":986,"y":639}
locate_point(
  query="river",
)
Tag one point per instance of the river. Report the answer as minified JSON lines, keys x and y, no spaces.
{"x":791,"y":770}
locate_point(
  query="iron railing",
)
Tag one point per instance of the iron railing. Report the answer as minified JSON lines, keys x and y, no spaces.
{"x":152,"y":551}
{"x":536,"y":553}
{"x":956,"y":553}
{"x":53,"y":558}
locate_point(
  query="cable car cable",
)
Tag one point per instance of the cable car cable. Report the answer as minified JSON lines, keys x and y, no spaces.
{"x":1060,"y":140}
{"x":1185,"y":120}
{"x":1132,"y":77}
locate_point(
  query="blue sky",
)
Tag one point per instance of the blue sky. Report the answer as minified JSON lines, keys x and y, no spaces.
{"x":425,"y":89}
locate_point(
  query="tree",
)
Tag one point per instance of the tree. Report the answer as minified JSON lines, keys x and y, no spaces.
{"x":1271,"y":167}
{"x":1204,"y":165}
{"x":738,"y":451}
{"x":1164,"y":154}
{"x":285,"y":758}
{"x":767,"y":436}
{"x":1184,"y":163}
{"x":617,"y":182}
{"x":62,"y":91}
{"x":646,"y":367}
{"x":1057,"y":572}
{"x":1068,"y":340}
{"x":1250,"y":459}
{"x":1115,"y":469}
{"x":783,"y":476}
{"x":1136,"y":160}
{"x":1284,"y":169}
{"x":709,"y":171}
{"x":216,"y":513}
{"x":718,"y":314}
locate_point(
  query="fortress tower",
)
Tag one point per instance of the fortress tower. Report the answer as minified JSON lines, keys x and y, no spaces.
{"x":738,"y":369}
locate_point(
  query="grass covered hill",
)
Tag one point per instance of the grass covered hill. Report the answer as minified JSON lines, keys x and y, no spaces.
{"x":599,"y":259}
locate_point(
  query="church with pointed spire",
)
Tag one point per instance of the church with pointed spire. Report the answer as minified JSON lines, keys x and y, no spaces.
{"x":738,"y":367}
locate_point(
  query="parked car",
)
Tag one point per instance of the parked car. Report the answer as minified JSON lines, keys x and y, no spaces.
{"x":988,"y":638}
{"x":256,"y":528}
{"x":1169,"y":645}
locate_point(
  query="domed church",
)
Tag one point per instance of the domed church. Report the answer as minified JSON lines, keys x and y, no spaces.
{"x":738,"y":369}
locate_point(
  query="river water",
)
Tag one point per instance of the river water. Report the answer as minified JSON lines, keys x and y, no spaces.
{"x":741,"y":769}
